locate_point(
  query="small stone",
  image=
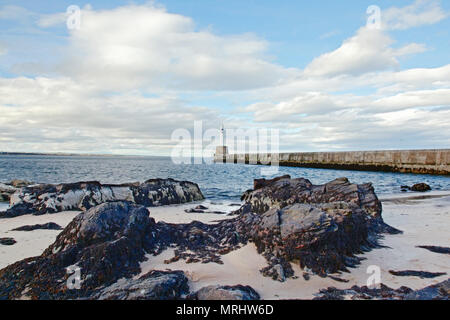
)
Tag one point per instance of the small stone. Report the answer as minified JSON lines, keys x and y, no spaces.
{"x":421,"y":187}
{"x":7,"y":241}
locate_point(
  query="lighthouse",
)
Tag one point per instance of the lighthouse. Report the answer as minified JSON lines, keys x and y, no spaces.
{"x":221,"y":150}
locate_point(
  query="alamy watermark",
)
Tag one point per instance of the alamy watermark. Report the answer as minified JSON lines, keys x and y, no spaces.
{"x":74,"y":280}
{"x":374,"y":280}
{"x":251,"y":146}
{"x":374,"y":17}
{"x":73,"y":14}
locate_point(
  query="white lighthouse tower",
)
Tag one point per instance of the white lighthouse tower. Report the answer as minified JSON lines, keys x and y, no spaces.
{"x":221,"y":150}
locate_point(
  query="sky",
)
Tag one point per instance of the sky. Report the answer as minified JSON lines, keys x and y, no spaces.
{"x":122,"y":76}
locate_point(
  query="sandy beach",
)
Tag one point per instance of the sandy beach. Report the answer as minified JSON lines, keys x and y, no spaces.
{"x":423,"y":218}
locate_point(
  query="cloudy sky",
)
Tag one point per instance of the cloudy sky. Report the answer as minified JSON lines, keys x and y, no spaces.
{"x":135,"y":71}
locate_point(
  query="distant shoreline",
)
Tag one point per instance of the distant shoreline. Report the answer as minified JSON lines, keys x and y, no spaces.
{"x":62,"y":154}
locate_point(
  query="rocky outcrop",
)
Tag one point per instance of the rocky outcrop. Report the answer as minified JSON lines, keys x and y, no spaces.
{"x":321,"y":227}
{"x":8,"y":188}
{"x":106,"y":243}
{"x":48,"y":198}
{"x":440,"y":291}
{"x":238,"y":292}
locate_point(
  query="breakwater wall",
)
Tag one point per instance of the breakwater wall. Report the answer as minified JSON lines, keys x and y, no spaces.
{"x":436,"y":161}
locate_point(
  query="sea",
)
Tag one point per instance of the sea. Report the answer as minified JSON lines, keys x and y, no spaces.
{"x":217,"y":181}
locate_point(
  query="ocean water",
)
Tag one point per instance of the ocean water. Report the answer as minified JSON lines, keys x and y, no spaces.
{"x":217,"y":181}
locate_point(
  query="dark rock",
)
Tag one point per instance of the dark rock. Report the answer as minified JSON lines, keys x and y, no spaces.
{"x":106,"y":242}
{"x":320,"y":226}
{"x":338,"y":279}
{"x":420,"y":187}
{"x":47,"y":226}
{"x":405,"y":188}
{"x":6,"y":191}
{"x":193,"y":210}
{"x":200,"y":207}
{"x":215,"y":212}
{"x":238,"y":292}
{"x":440,"y":291}
{"x":155,"y":285}
{"x":261,"y":183}
{"x":420,"y":274}
{"x":47,"y":198}
{"x":435,"y":249}
{"x":7,"y":241}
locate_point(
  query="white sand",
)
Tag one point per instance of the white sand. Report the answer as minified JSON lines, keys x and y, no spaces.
{"x":30,"y":243}
{"x":176,"y":213}
{"x":424,"y":222}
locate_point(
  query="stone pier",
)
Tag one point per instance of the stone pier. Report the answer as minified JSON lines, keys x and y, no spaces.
{"x":433,"y":161}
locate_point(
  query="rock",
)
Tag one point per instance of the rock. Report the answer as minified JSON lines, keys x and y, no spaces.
{"x":17,"y":183}
{"x":238,"y":292}
{"x":261,"y":183}
{"x":155,"y":285}
{"x":47,"y":198}
{"x":200,"y":207}
{"x":440,"y":291}
{"x":45,"y":226}
{"x":420,"y":187}
{"x":338,"y":279}
{"x":435,"y":249}
{"x":420,"y":274}
{"x":106,"y":243}
{"x":321,"y":227}
{"x":6,"y":191}
{"x":7,"y":241}
{"x":193,"y":210}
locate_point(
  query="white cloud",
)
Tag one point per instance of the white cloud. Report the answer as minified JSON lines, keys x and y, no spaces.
{"x":421,"y":12}
{"x":60,"y":113}
{"x":13,"y":12}
{"x":125,"y":75}
{"x":145,"y":46}
{"x":367,"y":51}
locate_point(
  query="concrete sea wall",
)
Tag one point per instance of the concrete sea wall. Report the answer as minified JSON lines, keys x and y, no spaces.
{"x":435,"y":161}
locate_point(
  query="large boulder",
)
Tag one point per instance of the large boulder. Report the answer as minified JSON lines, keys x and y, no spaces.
{"x":321,"y":227}
{"x":48,"y":198}
{"x":106,"y":243}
